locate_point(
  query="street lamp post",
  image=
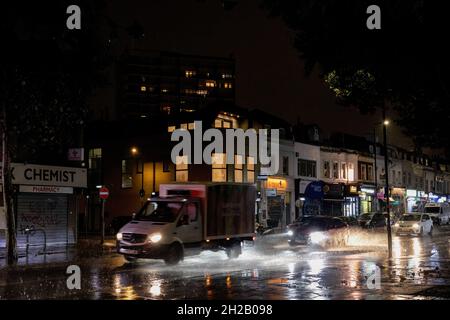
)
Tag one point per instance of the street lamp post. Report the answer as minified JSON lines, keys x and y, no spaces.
{"x":375,"y":167}
{"x":139,"y":160}
{"x":386,"y":190}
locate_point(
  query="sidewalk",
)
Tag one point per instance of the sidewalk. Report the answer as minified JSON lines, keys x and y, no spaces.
{"x":85,"y":248}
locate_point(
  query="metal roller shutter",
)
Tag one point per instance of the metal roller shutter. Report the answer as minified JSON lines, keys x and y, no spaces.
{"x":48,"y":212}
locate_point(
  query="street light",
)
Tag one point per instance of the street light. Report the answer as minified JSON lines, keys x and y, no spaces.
{"x":135,"y":153}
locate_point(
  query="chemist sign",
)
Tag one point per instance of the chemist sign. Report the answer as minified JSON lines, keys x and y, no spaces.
{"x":31,"y":174}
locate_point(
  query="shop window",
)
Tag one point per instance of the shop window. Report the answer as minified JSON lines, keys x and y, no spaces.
{"x":184,"y":126}
{"x":127,"y":174}
{"x":219,"y":167}
{"x":181,"y":169}
{"x":171,"y":129}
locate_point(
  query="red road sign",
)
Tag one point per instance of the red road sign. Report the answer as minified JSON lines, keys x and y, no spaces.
{"x":104,"y":193}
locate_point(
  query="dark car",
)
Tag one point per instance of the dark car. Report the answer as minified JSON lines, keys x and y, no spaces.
{"x":350,"y":221}
{"x":364,"y":219}
{"x":318,"y":230}
{"x":379,"y":220}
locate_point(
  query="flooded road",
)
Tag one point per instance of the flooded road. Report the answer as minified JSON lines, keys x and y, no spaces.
{"x":420,"y":269}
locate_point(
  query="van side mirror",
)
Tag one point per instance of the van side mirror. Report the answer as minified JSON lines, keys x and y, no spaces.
{"x":133,"y":215}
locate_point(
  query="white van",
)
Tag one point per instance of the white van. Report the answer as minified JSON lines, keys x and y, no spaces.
{"x":189,"y":218}
{"x":439,"y":212}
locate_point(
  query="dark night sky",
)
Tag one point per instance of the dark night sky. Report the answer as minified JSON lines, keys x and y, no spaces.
{"x":269,"y":73}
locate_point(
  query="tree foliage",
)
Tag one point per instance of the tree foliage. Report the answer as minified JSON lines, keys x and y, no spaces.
{"x":404,"y":65}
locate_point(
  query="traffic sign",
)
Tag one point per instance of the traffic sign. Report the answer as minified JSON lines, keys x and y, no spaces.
{"x":103,"y":193}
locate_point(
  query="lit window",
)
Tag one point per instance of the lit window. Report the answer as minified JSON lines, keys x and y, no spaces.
{"x":202,"y":92}
{"x":226,"y":76}
{"x":189,"y":73}
{"x":187,"y":110}
{"x":181,"y":168}
{"x":210,"y":83}
{"x":250,"y":169}
{"x":143,"y":88}
{"x":219,"y":167}
{"x":166,"y":109}
{"x":227,"y":85}
{"x":191,"y":126}
{"x":238,"y":168}
{"x":184,"y":126}
{"x":351,"y":172}
{"x":218,"y":123}
{"x":164,"y":90}
{"x":171,"y":129}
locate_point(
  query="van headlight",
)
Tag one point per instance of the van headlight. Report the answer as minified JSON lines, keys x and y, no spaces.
{"x":317,"y":237}
{"x":397,"y":225}
{"x":290,"y":233}
{"x":119,"y":236}
{"x":154,"y":238}
{"x":416,"y":226}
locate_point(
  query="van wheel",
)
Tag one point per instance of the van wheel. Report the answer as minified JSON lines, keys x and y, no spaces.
{"x":174,"y":254}
{"x":130,"y":259}
{"x":234,"y":251}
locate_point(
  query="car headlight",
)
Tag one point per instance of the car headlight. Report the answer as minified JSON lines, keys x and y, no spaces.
{"x":396,"y":225}
{"x":156,"y":237}
{"x":317,"y":237}
{"x":119,"y":236}
{"x":416,"y":226}
{"x":290,"y":233}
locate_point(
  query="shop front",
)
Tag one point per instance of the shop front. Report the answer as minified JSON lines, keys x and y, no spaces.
{"x":367,"y":199}
{"x":396,"y":200}
{"x":278,"y":192}
{"x":351,"y":200}
{"x":333,"y":199}
{"x":47,"y":199}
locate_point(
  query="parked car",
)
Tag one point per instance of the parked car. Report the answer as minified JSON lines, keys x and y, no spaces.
{"x":350,"y":221}
{"x":318,"y":230}
{"x":364,"y":218}
{"x":379,"y":220}
{"x":414,"y":223}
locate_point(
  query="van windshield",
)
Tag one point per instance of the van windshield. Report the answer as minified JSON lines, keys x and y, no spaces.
{"x":159,"y":211}
{"x":432,"y":209}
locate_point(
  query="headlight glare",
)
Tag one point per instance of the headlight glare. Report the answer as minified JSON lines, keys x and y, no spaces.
{"x":317,"y":237}
{"x":156,"y":237}
{"x":119,"y":236}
